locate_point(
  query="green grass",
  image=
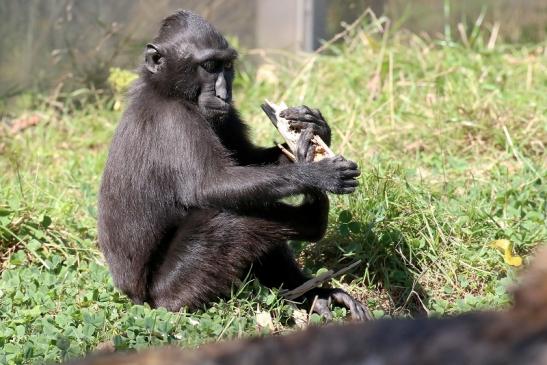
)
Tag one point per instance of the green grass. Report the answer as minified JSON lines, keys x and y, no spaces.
{"x":451,"y":143}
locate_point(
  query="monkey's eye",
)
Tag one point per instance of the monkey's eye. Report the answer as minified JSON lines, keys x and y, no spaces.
{"x":228,"y":65}
{"x":212,"y":66}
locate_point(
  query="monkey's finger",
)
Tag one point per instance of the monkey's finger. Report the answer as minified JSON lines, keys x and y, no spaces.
{"x":302,"y":147}
{"x":314,"y":111}
{"x":346,"y":165}
{"x":351,"y":165}
{"x":290,"y":114}
{"x":362,"y":312}
{"x":299,"y":125}
{"x":355,"y":312}
{"x":310,"y":118}
{"x":350,"y":174}
{"x":342,"y":298}
{"x":347,"y":190}
{"x":366,"y":313}
{"x":345,"y":299}
{"x":305,"y":145}
{"x":307,"y":132}
{"x":307,"y":119}
{"x":294,"y":110}
{"x":342,"y":190}
{"x":310,"y":154}
{"x":305,"y":153}
{"x":317,"y":113}
{"x":312,"y":115}
{"x":351,"y":183}
{"x":295,"y":113}
{"x":349,"y":178}
{"x":321,"y":307}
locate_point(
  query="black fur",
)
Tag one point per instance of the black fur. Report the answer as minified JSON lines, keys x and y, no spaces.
{"x":187,"y":204}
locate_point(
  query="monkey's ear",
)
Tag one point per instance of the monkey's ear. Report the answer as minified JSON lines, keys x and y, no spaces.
{"x":153,"y":59}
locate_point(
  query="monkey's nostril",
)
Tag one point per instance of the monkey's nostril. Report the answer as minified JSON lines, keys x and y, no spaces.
{"x":223,"y":97}
{"x":221,"y":94}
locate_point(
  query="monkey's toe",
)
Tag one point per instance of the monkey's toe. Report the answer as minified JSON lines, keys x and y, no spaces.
{"x":321,"y":307}
{"x":322,"y":298}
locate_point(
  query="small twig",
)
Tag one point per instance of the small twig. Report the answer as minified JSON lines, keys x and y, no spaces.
{"x":463,"y":35}
{"x":307,"y":286}
{"x":493,"y":36}
{"x":310,"y":312}
{"x":287,"y":153}
{"x":319,"y":141}
{"x":219,"y":337}
{"x":315,"y":282}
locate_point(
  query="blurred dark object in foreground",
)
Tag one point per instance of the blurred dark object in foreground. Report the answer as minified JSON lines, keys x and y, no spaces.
{"x":515,"y":336}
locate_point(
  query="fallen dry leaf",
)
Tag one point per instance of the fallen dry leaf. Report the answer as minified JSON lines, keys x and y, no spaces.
{"x":264,"y":321}
{"x":506,"y":247}
{"x":23,"y":123}
{"x":300,"y":317}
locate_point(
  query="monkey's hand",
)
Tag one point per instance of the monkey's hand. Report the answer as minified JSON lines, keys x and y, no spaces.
{"x":333,"y":174}
{"x":303,"y":117}
{"x":323,"y":298}
{"x":305,"y":148}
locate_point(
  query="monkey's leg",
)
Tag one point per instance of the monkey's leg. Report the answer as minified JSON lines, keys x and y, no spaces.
{"x":210,"y":251}
{"x":278,"y":268}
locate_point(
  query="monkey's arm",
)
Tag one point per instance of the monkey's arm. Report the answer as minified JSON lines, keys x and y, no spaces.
{"x":252,"y":186}
{"x":235,"y":137}
{"x":265,"y":156}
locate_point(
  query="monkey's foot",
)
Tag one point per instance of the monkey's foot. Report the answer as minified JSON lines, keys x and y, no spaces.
{"x":322,"y":298}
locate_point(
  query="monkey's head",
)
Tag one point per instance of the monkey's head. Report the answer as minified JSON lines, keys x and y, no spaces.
{"x":191,"y":60}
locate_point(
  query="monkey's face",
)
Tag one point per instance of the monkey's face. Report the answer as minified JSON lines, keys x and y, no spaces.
{"x":216,"y":75}
{"x":193,"y":62}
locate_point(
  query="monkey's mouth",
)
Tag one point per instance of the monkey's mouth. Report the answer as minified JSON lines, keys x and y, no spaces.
{"x":214,"y":106}
{"x":222,"y":108}
{"x":224,"y":103}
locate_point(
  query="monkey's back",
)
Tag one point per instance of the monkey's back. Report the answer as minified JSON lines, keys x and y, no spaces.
{"x":138,"y":207}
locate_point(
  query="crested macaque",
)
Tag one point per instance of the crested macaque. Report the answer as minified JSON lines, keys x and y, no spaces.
{"x":187,"y":204}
